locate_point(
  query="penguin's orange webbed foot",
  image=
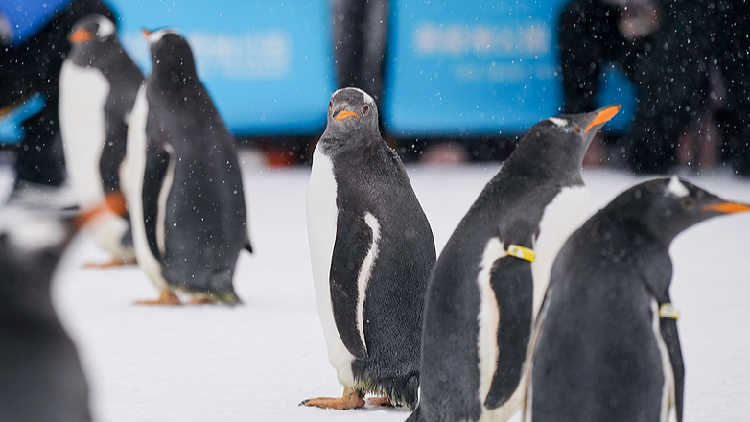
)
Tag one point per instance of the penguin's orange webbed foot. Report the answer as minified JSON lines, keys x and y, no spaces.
{"x":202,"y":300}
{"x":165,"y":298}
{"x":380,"y":401}
{"x":350,"y":399}
{"x":115,"y":262}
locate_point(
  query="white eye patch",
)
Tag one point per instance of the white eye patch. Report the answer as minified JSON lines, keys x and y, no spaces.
{"x":676,"y":188}
{"x":558,"y":122}
{"x":106,"y":27}
{"x":156,"y":36}
{"x":367,"y":98}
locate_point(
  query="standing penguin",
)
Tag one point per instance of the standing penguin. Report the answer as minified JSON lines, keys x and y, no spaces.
{"x":98,"y":85}
{"x":372,"y":250}
{"x":186,"y":198}
{"x":607,"y":347}
{"x":41,"y":377}
{"x":490,"y":279}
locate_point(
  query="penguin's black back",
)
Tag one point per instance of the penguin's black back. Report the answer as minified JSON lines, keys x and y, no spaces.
{"x":598,"y":333}
{"x":206,"y":205}
{"x":605,"y":351}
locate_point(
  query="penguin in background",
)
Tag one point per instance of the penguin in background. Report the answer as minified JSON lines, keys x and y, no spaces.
{"x":372,"y":251}
{"x":41,"y":377}
{"x":607,"y":347}
{"x":98,"y":85}
{"x":186,"y":197}
{"x":489,"y":281}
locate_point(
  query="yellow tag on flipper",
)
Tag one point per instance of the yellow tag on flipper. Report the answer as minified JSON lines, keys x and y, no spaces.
{"x":667,"y":311}
{"x":522,"y":252}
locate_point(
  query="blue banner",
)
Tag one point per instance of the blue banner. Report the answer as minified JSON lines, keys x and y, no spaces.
{"x":267,"y":65}
{"x":472,"y":67}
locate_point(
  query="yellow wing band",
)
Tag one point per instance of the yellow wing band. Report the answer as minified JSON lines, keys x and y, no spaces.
{"x":667,"y":311}
{"x":521,"y":252}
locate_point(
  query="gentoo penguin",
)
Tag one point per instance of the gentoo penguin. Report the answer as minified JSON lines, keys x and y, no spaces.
{"x":186,"y":198}
{"x":490,"y":279}
{"x":606,"y":339}
{"x":372,"y":250}
{"x":98,"y":84}
{"x":41,"y":377}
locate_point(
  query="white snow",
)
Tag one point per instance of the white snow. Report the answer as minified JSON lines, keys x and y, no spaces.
{"x":258,"y":361}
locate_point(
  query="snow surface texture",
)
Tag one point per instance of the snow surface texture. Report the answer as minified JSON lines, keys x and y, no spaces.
{"x":258,"y":361}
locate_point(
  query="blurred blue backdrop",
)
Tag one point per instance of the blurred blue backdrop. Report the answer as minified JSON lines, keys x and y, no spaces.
{"x":453,"y":67}
{"x":268,"y":64}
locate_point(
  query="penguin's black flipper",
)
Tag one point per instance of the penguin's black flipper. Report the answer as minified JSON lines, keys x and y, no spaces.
{"x":669,"y":333}
{"x":353,"y":241}
{"x":513,"y":284}
{"x":115,"y":145}
{"x":157,"y":164}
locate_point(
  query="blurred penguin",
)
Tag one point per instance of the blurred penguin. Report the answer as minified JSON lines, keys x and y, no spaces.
{"x":98,"y":85}
{"x":41,"y":378}
{"x":187,"y":203}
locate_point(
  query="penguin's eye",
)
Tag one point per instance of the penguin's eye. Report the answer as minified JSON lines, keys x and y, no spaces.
{"x":577,"y":129}
{"x":330,"y":105}
{"x":365,"y":109}
{"x":687,"y":203}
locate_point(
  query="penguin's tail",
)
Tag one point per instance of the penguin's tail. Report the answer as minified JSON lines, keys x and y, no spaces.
{"x":416,"y":416}
{"x":222,"y":289}
{"x":228,"y":298}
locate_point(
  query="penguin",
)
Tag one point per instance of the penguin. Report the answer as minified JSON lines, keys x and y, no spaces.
{"x":98,"y":85}
{"x":41,"y":376}
{"x":606,"y":343}
{"x":372,"y":250}
{"x":489,"y":281}
{"x":186,"y":197}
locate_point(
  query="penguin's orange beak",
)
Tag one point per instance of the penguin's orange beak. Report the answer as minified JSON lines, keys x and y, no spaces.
{"x":113,"y":202}
{"x":727,"y":207}
{"x":604,"y":116}
{"x":80,"y":36}
{"x":145,"y":32}
{"x":343,"y":114}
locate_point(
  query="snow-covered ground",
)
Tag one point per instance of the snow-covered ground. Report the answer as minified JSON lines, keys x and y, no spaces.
{"x":258,"y":361}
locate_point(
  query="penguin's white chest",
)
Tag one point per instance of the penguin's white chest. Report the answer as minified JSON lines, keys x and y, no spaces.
{"x":322,"y":221}
{"x":83,"y":93}
{"x":135,"y":173}
{"x":488,"y":348}
{"x":668,"y":411}
{"x":562,"y":216}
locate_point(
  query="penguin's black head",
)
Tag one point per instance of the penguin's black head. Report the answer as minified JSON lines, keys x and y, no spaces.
{"x":559,"y":143}
{"x":170,"y":54}
{"x":92,"y":29}
{"x":351,"y":109}
{"x":668,"y":206}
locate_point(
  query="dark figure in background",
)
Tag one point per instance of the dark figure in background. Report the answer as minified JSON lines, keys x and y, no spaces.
{"x":359,"y":36}
{"x":732,"y":53}
{"x":589,"y":37}
{"x":665,"y":48}
{"x":33,"y":66}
